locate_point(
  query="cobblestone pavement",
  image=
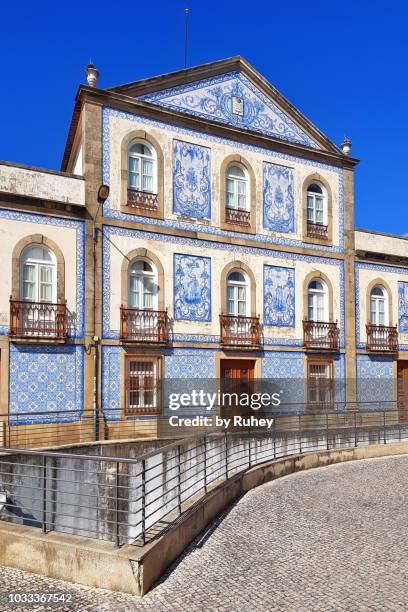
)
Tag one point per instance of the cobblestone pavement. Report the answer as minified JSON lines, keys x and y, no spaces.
{"x":334,"y":538}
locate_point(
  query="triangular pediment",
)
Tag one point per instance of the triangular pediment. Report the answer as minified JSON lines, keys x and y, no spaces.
{"x":232,"y":99}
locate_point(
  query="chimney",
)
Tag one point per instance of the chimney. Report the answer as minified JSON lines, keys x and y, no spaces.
{"x":91,"y":74}
{"x":346,"y":146}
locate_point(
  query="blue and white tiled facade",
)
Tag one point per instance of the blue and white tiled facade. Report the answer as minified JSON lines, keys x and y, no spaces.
{"x":200,"y":127}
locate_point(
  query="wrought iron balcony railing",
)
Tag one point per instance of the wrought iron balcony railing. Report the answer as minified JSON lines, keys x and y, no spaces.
{"x":142,"y":200}
{"x":381,"y":338}
{"x":240,"y":331}
{"x":144,"y":325}
{"x":38,"y":320}
{"x":236,"y":216}
{"x":321,"y":335}
{"x":317,"y":230}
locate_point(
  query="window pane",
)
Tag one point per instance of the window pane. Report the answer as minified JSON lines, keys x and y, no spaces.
{"x":45,"y":293}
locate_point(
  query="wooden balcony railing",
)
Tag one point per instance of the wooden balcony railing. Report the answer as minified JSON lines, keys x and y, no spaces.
{"x":144,"y":325}
{"x":321,"y":335}
{"x":381,"y":338}
{"x":142,"y":200}
{"x":236,"y":216}
{"x":317,"y":230}
{"x":240,"y":331}
{"x":38,"y":320}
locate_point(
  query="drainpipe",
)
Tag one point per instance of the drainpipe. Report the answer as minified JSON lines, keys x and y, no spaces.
{"x":103,"y":193}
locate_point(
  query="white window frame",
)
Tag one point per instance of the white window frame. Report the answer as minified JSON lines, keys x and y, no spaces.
{"x":38,"y":264}
{"x":314,"y":196}
{"x":141,"y":157}
{"x":235,"y":286}
{"x":142,"y":406}
{"x":320,"y":387}
{"x":315,"y":294}
{"x":236,"y":181}
{"x":141,"y":276}
{"x":376,"y":300}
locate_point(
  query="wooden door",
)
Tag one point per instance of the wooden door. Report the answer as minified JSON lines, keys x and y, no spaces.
{"x":236,"y":377}
{"x":402,"y":391}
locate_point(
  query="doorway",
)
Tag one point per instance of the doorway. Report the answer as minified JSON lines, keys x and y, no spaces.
{"x":402,"y":391}
{"x":237,"y":376}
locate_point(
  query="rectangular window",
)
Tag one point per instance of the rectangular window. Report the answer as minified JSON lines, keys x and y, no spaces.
{"x":320,"y":384}
{"x":142,"y":385}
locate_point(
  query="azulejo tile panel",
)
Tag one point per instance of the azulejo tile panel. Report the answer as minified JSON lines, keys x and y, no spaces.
{"x":46,"y":383}
{"x":109,"y":233}
{"x":210,"y":229}
{"x":191,"y":180}
{"x":376,"y":386}
{"x":111,"y":379}
{"x":279,"y":296}
{"x":278,"y":200}
{"x":75,"y":319}
{"x":231,"y":98}
{"x":190,"y":363}
{"x":403,"y":307}
{"x":192,"y":288}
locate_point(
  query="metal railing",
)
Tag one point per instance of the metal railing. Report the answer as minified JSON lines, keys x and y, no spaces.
{"x":38,"y":319}
{"x":142,"y":200}
{"x":317,"y":230}
{"x":133,"y":500}
{"x":237,"y":216}
{"x":321,"y":335}
{"x":144,"y":325}
{"x":381,"y":338}
{"x":240,"y":331}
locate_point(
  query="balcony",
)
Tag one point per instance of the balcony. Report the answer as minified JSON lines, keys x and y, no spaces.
{"x":38,"y":320}
{"x":317,"y":230}
{"x":240,"y":331}
{"x":382,"y":339}
{"x":142,"y":200}
{"x":238,"y":217}
{"x":321,"y":335}
{"x":144,"y":325}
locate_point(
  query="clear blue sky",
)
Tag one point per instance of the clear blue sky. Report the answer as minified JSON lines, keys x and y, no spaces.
{"x":342,"y":63}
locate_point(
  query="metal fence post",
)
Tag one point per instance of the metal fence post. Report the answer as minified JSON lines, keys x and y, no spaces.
{"x":226,"y":456}
{"x":274,"y":438}
{"x":327,"y":431}
{"x":355,"y":430}
{"x":143,"y":501}
{"x":300,"y":435}
{"x":179,"y":478}
{"x":117,"y":504}
{"x":205,"y":464}
{"x":44,"y":479}
{"x":249,"y":448}
{"x":384,"y":432}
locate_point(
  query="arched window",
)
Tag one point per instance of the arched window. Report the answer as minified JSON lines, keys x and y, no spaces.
{"x":142,"y":285}
{"x":237,"y":294}
{"x":237,"y":187}
{"x":378,"y":306}
{"x":316,"y":204}
{"x":142,"y":175}
{"x":38,"y":277}
{"x":317,"y":301}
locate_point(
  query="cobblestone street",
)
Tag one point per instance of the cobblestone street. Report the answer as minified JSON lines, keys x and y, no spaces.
{"x":329,"y":539}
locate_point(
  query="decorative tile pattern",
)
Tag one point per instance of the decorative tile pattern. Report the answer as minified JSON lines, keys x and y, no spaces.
{"x":192,"y":288}
{"x":210,"y":229}
{"x":279,"y":296}
{"x":45,"y":379}
{"x":402,"y":307}
{"x":191,"y":180}
{"x":278,"y":200}
{"x":190,"y":363}
{"x":110,"y":367}
{"x":376,"y":386}
{"x":380,"y":270}
{"x":75,"y":319}
{"x":217,"y":98}
{"x":110,"y":231}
